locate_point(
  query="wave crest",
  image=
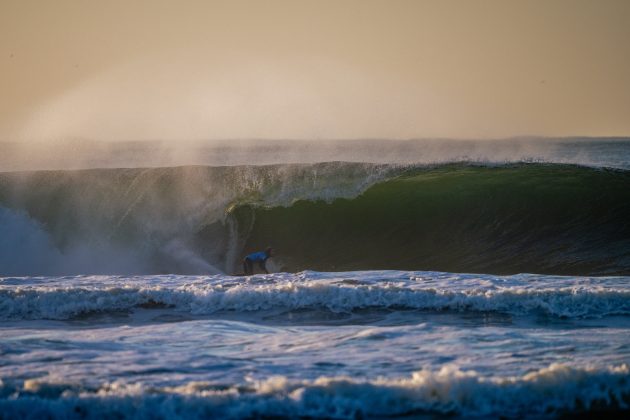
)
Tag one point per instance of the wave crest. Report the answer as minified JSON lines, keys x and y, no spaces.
{"x":68,"y":297}
{"x":558,"y":389}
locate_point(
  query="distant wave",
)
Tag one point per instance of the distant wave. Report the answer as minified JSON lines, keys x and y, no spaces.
{"x":69,"y":297}
{"x":488,"y":218}
{"x":549,"y":392}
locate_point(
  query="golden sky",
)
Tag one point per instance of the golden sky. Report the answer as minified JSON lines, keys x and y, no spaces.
{"x":185,"y":70}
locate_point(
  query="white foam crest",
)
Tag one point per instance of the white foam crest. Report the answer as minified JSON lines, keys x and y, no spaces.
{"x":67,"y":297}
{"x":551,"y":391}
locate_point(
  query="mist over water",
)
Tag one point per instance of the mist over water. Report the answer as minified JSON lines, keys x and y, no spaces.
{"x":87,"y":154}
{"x":101,"y":220}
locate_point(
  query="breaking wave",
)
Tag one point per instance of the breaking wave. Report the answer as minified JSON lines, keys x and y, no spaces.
{"x":549,"y":392}
{"x":69,"y":297}
{"x":501,"y":219}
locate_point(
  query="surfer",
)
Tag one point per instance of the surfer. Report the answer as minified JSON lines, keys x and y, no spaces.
{"x":260,"y":257}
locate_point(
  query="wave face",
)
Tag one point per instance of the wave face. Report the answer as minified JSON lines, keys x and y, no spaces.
{"x":505,"y":219}
{"x":519,"y":218}
{"x":71,"y":297}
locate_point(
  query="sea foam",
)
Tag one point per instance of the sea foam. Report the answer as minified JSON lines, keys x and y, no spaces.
{"x":68,"y":297}
{"x":547,"y":392}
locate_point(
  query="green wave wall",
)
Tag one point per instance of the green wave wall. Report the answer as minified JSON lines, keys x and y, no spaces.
{"x":537,"y":218}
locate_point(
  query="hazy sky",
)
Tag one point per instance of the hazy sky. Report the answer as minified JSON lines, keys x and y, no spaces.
{"x":181,"y":70}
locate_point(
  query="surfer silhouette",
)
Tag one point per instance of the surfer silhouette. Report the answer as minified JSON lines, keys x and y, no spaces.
{"x":259,"y":257}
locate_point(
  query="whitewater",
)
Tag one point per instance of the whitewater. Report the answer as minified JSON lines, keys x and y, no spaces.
{"x":489,"y":282}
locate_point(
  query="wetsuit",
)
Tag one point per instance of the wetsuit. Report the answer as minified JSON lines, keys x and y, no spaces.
{"x":259,"y":257}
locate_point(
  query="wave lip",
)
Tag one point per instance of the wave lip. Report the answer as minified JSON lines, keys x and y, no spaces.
{"x":68,"y":297}
{"x":555,"y":390}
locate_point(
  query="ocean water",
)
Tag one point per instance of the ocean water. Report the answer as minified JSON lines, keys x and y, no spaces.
{"x":465,"y":287}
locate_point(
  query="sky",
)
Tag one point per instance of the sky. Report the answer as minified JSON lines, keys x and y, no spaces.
{"x":203,"y":70}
